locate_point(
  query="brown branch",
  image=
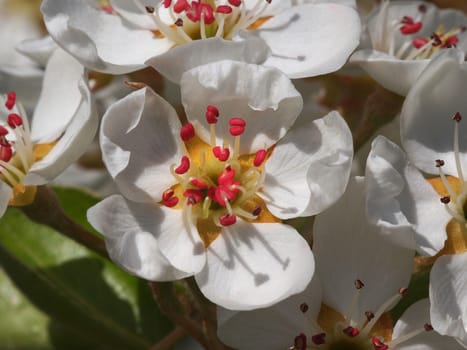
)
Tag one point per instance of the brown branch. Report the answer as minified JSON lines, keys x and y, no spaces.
{"x":46,"y":210}
{"x":170,"y":339}
{"x":168,"y":303}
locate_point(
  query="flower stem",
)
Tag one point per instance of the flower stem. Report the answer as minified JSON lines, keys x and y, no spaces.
{"x":46,"y":210}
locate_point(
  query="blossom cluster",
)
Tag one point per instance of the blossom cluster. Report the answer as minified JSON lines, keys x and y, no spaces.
{"x":227,"y":168}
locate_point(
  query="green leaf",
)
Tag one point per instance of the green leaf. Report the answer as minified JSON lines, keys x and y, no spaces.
{"x":90,"y":299}
{"x":22,"y":326}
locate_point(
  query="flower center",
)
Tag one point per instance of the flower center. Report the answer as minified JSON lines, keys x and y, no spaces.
{"x":368,"y":332}
{"x":214,"y":184}
{"x":17,"y":151}
{"x":412,"y":47}
{"x":192,"y":20}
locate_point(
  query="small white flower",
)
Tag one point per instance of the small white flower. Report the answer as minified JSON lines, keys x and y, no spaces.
{"x":305,"y":40}
{"x":404,"y":36}
{"x":62,"y":127}
{"x":207,"y":198}
{"x":357,"y":282}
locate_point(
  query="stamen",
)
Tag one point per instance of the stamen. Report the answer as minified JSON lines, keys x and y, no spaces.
{"x":5,"y":153}
{"x":378,"y":344}
{"x":227,"y":220}
{"x":319,"y":339}
{"x":187,"y":132}
{"x":304,"y":307}
{"x":193,"y":196}
{"x":221,"y":153}
{"x":358,"y":286}
{"x":11,"y":100}
{"x":260,"y":156}
{"x":385,"y":306}
{"x":184,"y":166}
{"x":351,"y":331}
{"x":300,"y":342}
{"x":457,"y":118}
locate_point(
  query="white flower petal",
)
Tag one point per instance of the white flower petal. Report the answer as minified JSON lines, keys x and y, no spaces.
{"x":6,"y":192}
{"x":134,"y":12}
{"x":309,"y":168}
{"x":311,"y":39}
{"x":448,"y":295}
{"x":270,"y":328}
{"x":72,"y":144}
{"x":255,"y":265}
{"x":140,"y":141}
{"x":181,"y":243}
{"x":391,"y":73}
{"x":180,"y":59}
{"x":100,"y":41}
{"x":347,"y":247}
{"x":60,"y":97}
{"x":414,"y":318}
{"x":130,"y":231}
{"x":39,"y":50}
{"x":427,"y":130}
{"x":401,"y":202}
{"x":264,"y":97}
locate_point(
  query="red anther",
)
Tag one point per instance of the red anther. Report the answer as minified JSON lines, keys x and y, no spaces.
{"x":369,"y":315}
{"x":235,"y":3}
{"x":184,"y":166}
{"x":457,"y":117}
{"x":304,"y":307}
{"x":226,"y":177}
{"x":207,"y":13}
{"x":199,"y":183}
{"x":403,"y":291}
{"x":422,"y":8}
{"x":260,"y":156}
{"x":436,"y":39}
{"x":237,"y":126}
{"x":179,"y":22}
{"x":180,"y":6}
{"x":14,"y":120}
{"x":167,"y":3}
{"x":378,"y":344}
{"x":411,"y":28}
{"x":319,"y":339}
{"x":227,"y":220}
{"x":451,"y":41}
{"x":193,"y":196}
{"x":221,"y":153}
{"x":187,"y":132}
{"x":226,"y":9}
{"x":358,"y":284}
{"x":300,"y":342}
{"x":108,"y":9}
{"x":150,"y":9}
{"x":445,"y":199}
{"x":212,"y":113}
{"x":3,"y":131}
{"x":351,"y":331}
{"x":428,"y":327}
{"x":439,"y":163}
{"x":6,"y":153}
{"x":407,"y":20}
{"x":167,"y":194}
{"x":257,"y":211}
{"x":171,"y":202}
{"x":10,"y":100}
{"x":419,"y":42}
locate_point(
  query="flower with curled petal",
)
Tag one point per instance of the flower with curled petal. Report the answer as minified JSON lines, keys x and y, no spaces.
{"x":172,"y":36}
{"x":208,"y":198}
{"x":62,"y":127}
{"x":404,"y":36}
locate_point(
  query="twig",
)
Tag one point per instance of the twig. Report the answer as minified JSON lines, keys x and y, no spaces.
{"x":46,"y":210}
{"x":170,"y":339}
